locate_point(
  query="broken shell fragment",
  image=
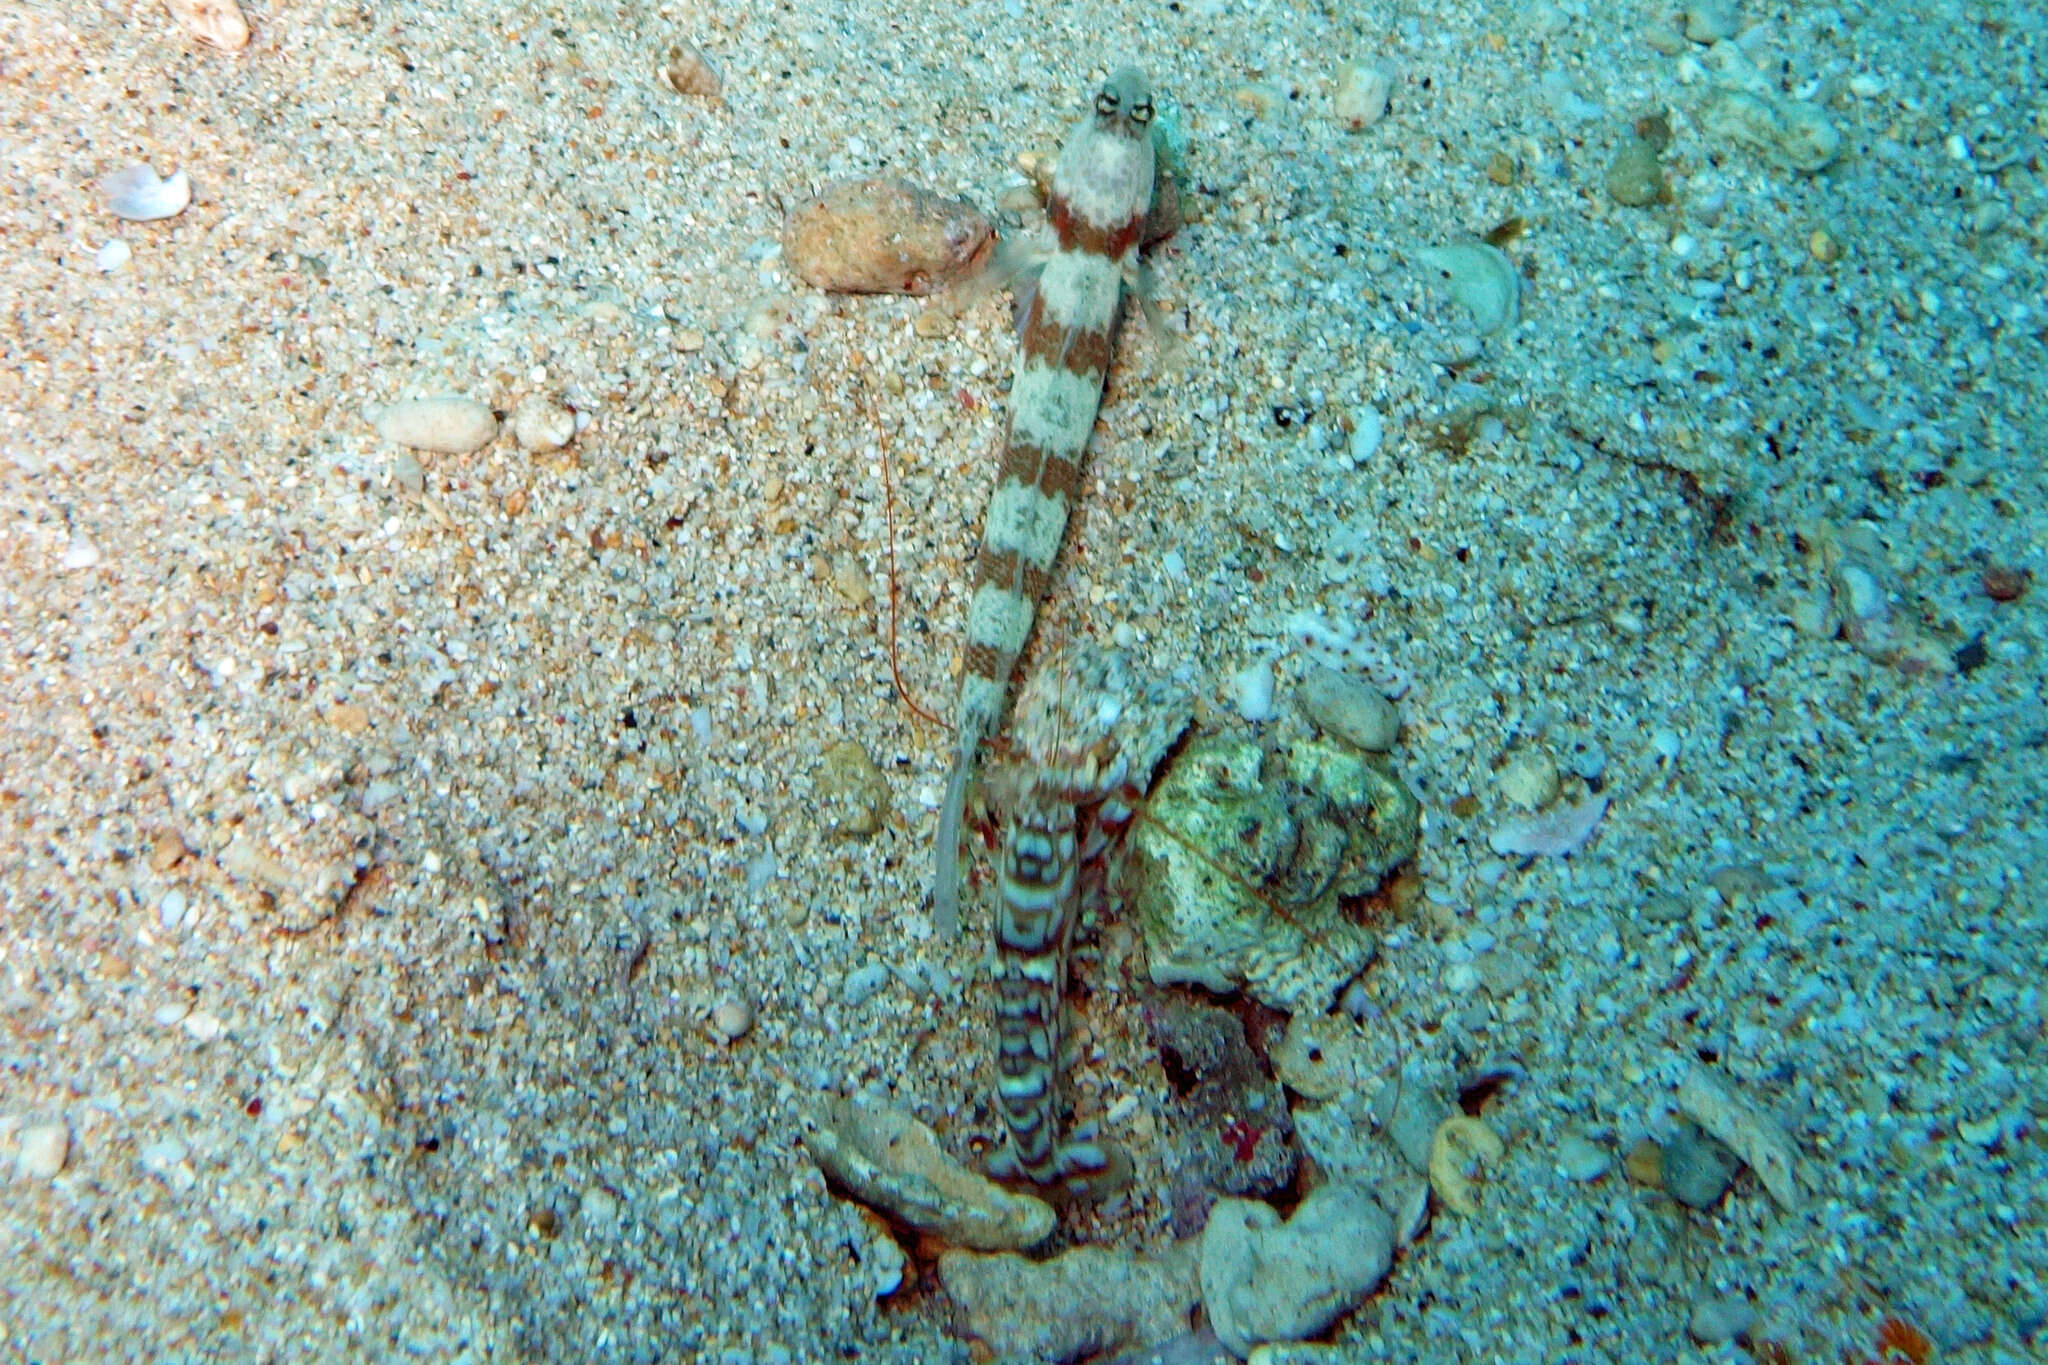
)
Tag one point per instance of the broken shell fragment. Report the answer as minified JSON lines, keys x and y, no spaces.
{"x":137,"y":194}
{"x":690,"y":72}
{"x":1480,"y":277}
{"x":218,"y":22}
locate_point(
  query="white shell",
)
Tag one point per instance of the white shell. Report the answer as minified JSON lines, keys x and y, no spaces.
{"x":219,"y":22}
{"x":1482,"y":278}
{"x":113,"y":256}
{"x":136,"y":194}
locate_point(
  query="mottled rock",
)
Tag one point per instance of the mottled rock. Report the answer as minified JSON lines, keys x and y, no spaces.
{"x":1351,"y":709}
{"x":852,"y":794}
{"x":1080,"y":1304}
{"x":1323,"y":1056}
{"x":1695,"y":1169}
{"x":1529,"y":779}
{"x":1635,"y":177}
{"x":1267,"y":1280}
{"x":1230,"y":1117}
{"x":541,"y":425}
{"x":1241,"y":868}
{"x":885,"y":237}
{"x":888,"y":1160}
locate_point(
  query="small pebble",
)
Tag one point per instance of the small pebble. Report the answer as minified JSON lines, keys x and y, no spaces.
{"x":732,"y":1018}
{"x":1528,"y":780}
{"x":1635,"y":178}
{"x":1363,"y":93}
{"x":861,"y":984}
{"x":113,"y":256}
{"x":1350,"y":709}
{"x":539,"y":425}
{"x":1714,"y":1321}
{"x":689,"y":72}
{"x":44,"y":1149}
{"x":1697,"y":1170}
{"x":852,"y":795}
{"x":447,"y":426}
{"x":1711,"y":22}
{"x":1368,"y":429}
{"x":2006,"y":583}
{"x":1582,"y":1159}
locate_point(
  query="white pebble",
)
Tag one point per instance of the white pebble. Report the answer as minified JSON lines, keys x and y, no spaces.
{"x":44,"y":1149}
{"x":203,"y":1027}
{"x":138,"y":195}
{"x":1251,"y":690}
{"x":447,"y":426}
{"x":170,"y":911}
{"x":540,"y":425}
{"x":113,"y":256}
{"x":732,"y":1018}
{"x":1368,"y":429}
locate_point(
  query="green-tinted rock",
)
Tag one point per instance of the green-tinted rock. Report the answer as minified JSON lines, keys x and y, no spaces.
{"x":1243,"y":862}
{"x":1635,"y":177}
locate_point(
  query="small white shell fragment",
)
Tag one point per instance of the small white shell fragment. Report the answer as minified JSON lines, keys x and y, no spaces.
{"x":1482,"y":279}
{"x":540,"y":425}
{"x":80,"y":553}
{"x":1363,"y":93}
{"x":113,"y":256}
{"x":136,"y":194}
{"x":1743,"y":1129}
{"x":218,"y":22}
{"x":1251,"y":691}
{"x":447,"y":426}
{"x":44,"y":1149}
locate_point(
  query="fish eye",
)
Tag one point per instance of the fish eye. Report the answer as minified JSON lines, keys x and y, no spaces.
{"x":1105,"y":103}
{"x":1141,"y":112}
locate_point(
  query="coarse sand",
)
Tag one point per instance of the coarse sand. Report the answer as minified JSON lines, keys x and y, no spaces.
{"x":392,"y":843}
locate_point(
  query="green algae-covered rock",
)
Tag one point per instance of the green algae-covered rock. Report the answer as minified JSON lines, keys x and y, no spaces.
{"x":1243,"y":862}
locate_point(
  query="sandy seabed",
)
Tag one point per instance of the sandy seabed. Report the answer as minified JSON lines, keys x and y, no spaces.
{"x":379,"y":831}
